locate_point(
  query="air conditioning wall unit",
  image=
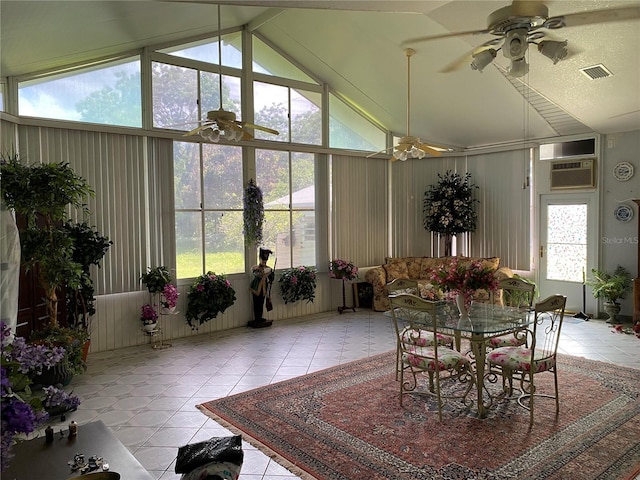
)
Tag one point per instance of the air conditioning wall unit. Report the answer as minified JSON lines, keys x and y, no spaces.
{"x":566,"y":174}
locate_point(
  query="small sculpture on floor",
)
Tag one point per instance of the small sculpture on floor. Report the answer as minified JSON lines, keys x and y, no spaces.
{"x":260,"y":287}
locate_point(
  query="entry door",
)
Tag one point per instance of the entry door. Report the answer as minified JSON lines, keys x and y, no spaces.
{"x":567,"y":246}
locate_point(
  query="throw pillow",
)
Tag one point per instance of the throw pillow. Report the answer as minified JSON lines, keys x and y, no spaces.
{"x":414,"y":267}
{"x":396,"y":270}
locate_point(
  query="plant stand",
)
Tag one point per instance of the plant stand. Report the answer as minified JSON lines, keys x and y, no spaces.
{"x":344,"y":299}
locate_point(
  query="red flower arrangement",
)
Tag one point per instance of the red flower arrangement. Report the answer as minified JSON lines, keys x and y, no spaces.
{"x":464,"y":279}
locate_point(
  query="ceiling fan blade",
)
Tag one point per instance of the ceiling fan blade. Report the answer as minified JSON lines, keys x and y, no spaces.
{"x":379,"y":152}
{"x":429,"y":38}
{"x":196,"y":130}
{"x":608,"y":15}
{"x":259,"y":127}
{"x":428,"y":149}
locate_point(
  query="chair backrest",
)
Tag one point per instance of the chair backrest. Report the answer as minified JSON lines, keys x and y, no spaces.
{"x":403,"y":285}
{"x":549,"y":314}
{"x":517,"y":292}
{"x":413,"y":313}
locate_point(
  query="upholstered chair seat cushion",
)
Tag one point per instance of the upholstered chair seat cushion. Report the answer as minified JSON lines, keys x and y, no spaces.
{"x":506,"y":341}
{"x":424,"y":338}
{"x":447,"y":358}
{"x":519,"y":358}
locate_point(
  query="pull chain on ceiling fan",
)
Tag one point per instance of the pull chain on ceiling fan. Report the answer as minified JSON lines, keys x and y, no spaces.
{"x":222,"y":123}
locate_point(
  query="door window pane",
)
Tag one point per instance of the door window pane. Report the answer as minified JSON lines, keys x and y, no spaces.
{"x":566,"y":242}
{"x":188,"y":244}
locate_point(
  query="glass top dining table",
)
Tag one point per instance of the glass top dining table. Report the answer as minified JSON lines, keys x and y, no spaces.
{"x":485,"y":321}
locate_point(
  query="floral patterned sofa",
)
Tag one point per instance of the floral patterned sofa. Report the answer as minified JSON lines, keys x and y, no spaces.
{"x":420,"y":269}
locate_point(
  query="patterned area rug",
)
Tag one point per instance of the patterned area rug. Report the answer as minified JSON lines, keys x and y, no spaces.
{"x":345,"y":423}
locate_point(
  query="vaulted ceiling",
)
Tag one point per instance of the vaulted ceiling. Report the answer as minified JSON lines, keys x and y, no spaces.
{"x":357,"y":48}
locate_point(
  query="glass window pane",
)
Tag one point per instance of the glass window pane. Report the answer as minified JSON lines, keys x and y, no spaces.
{"x":567,"y":242}
{"x":224,"y":242}
{"x":175,"y":96}
{"x":303,"y":180}
{"x":306,"y":117}
{"x":207,"y":50}
{"x":186,"y":173}
{"x":210,"y":93}
{"x":2,"y":89}
{"x":272,"y":177}
{"x":348,"y":129}
{"x":266,"y":60}
{"x":188,"y":244}
{"x":222,"y":176}
{"x":107,"y":94}
{"x":271,"y":109}
{"x":303,"y":238}
{"x":277,"y":236}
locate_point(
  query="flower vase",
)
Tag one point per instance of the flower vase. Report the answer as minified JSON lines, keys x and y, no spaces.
{"x":463,"y":305}
{"x":149,"y":327}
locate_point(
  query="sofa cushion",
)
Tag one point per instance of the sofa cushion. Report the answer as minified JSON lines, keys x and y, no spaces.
{"x":396,"y":270}
{"x":414,"y":267}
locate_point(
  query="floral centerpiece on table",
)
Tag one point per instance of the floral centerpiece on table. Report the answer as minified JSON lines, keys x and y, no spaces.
{"x":342,"y":269}
{"x":170,"y":296}
{"x":464,"y":279}
{"x":209,"y":295}
{"x":21,"y":412}
{"x":298,"y":283}
{"x":431,"y":292}
{"x":148,"y":314}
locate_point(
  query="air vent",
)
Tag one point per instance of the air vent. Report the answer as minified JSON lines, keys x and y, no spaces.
{"x":596,"y":71}
{"x":573,"y":174}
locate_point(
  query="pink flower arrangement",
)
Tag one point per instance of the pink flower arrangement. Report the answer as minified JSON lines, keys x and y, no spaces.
{"x":170,"y":296}
{"x":457,"y":279}
{"x":148,"y":314}
{"x":342,"y":269}
{"x":431,"y":292}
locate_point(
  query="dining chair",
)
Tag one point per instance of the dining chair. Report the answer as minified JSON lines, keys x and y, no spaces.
{"x":411,"y":287}
{"x":523,"y":362}
{"x":409,"y":314}
{"x":516,"y":293}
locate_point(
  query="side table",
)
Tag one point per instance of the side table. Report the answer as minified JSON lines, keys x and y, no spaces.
{"x":344,"y":299}
{"x":36,"y":459}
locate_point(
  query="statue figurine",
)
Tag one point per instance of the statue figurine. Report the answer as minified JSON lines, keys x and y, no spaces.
{"x":260,"y":287}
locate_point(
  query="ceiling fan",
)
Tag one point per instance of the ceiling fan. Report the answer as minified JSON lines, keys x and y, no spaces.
{"x":221,"y":123}
{"x":410,"y":146}
{"x":521,"y":23}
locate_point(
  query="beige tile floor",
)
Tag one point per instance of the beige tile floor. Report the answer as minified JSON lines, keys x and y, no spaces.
{"x":148,"y":397}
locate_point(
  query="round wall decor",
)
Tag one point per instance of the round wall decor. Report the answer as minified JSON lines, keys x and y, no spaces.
{"x":623,"y":213}
{"x":623,"y":171}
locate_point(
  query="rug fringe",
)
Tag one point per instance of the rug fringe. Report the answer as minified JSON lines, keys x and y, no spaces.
{"x":293,"y":468}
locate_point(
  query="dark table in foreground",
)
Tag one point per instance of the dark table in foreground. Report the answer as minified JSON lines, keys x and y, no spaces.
{"x":36,"y":459}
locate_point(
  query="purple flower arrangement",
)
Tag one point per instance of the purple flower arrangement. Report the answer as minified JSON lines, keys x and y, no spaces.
{"x":22,"y":413}
{"x":170,"y":296}
{"x":148,"y":314}
{"x":55,"y":397}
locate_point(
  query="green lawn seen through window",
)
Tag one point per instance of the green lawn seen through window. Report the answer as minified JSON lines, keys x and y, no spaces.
{"x":189,"y":264}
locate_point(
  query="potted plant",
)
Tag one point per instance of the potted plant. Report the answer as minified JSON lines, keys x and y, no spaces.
{"x":56,"y":401}
{"x":448,"y":207}
{"x":298,"y":283}
{"x":169,"y":299}
{"x":610,"y":287}
{"x":209,"y":295}
{"x":342,"y":269}
{"x":73,"y":340}
{"x":148,"y":317}
{"x":156,"y":279}
{"x":42,"y":195}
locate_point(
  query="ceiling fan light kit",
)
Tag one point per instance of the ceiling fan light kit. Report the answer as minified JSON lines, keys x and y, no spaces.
{"x":521,"y":23}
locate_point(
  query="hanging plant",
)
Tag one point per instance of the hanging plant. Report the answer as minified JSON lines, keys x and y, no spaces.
{"x":298,"y":283}
{"x":449,"y":205}
{"x":209,"y":295}
{"x":253,"y":214}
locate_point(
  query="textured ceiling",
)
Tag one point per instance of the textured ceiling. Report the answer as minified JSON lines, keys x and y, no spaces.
{"x":356,"y":47}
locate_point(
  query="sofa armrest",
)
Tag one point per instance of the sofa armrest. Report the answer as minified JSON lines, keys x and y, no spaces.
{"x":377,"y":277}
